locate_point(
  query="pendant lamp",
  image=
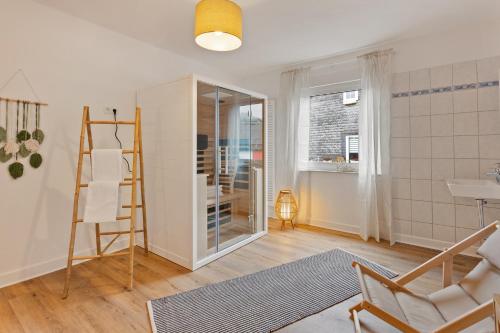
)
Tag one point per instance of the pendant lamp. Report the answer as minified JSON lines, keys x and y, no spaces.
{"x":218,"y":25}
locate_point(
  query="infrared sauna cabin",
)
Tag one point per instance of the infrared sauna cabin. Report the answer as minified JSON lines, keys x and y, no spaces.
{"x":207,"y":168}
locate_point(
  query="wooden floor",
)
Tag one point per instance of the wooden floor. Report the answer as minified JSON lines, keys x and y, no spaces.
{"x":98,"y":301}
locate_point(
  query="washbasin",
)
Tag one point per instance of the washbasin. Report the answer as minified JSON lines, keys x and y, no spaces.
{"x":474,"y":188}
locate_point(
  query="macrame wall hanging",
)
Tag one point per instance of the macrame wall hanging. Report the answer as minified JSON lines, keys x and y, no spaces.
{"x":20,"y":135}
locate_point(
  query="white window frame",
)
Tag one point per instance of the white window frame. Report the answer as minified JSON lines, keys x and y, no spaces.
{"x":306,"y":94}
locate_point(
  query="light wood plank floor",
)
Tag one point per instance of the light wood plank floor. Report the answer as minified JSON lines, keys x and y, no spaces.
{"x":98,"y":301}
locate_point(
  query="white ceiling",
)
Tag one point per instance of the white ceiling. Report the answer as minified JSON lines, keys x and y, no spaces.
{"x":280,"y":32}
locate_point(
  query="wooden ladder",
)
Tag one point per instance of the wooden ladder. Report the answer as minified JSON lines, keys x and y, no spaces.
{"x":137,"y":151}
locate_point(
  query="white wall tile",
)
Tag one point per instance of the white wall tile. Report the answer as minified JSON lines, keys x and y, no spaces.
{"x":442,"y":125}
{"x":441,"y":136}
{"x":443,"y":233}
{"x":466,"y":146}
{"x":465,"y":201}
{"x":421,"y":211}
{"x":421,"y":147}
{"x":488,"y":68}
{"x":442,"y":168}
{"x":489,"y":146}
{"x":420,"y":105}
{"x":400,"y":107}
{"x":401,"y":209}
{"x":400,"y":167}
{"x":401,"y":188}
{"x":491,"y":214}
{"x":441,"y":192}
{"x":487,"y":98}
{"x":421,"y":190}
{"x":489,"y":122}
{"x":400,"y":147}
{"x":400,"y":127}
{"x":443,"y":214}
{"x":420,"y":168}
{"x":467,"y":168}
{"x":420,"y":126}
{"x":402,"y":227}
{"x":464,"y":72}
{"x":466,"y":217}
{"x":465,"y":100}
{"x":441,"y":76}
{"x":401,"y":82}
{"x":423,"y":230}
{"x":465,"y":123}
{"x":442,"y":147}
{"x":420,"y":79}
{"x":442,"y":103}
{"x":462,"y":233}
{"x":487,"y":166}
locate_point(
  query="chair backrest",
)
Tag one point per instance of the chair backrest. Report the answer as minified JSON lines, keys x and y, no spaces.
{"x":483,"y":282}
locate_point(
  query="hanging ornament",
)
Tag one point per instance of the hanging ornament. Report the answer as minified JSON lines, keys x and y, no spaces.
{"x":36,"y":160}
{"x":11,"y":147}
{"x":3,"y":134}
{"x":32,"y":145}
{"x":24,"y":135}
{"x":3,"y":130}
{"x":4,"y":156}
{"x":23,"y":151}
{"x":16,"y":170}
{"x":38,"y":133}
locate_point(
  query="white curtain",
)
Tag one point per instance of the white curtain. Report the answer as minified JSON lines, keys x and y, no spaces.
{"x":374,"y":144}
{"x":287,"y":127}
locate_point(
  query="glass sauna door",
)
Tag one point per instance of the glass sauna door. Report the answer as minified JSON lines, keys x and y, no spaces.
{"x":206,"y":159}
{"x":229,"y":167}
{"x":235,"y":159}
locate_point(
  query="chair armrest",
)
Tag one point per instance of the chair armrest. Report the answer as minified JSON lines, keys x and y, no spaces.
{"x":380,"y":278}
{"x":468,"y":319}
{"x":445,"y":255}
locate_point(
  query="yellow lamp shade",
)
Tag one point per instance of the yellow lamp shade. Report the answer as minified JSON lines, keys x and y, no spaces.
{"x":218,"y":25}
{"x":286,"y":206}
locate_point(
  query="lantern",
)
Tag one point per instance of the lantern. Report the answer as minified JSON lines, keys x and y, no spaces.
{"x":286,"y":207}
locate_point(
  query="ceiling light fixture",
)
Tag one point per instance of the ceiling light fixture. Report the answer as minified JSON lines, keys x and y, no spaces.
{"x":218,"y":25}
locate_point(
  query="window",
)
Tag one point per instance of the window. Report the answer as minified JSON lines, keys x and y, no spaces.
{"x":329,"y":124}
{"x":350,"y":97}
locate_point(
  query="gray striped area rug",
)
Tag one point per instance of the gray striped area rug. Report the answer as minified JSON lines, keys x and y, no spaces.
{"x":264,"y":301}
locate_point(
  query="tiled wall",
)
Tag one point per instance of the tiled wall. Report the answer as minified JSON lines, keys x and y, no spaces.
{"x":445,"y":124}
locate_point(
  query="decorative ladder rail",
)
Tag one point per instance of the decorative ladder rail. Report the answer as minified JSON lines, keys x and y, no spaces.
{"x":137,"y":152}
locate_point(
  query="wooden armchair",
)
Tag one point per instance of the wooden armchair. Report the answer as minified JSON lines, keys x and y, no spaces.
{"x":468,"y":306}
{"x":496,"y":300}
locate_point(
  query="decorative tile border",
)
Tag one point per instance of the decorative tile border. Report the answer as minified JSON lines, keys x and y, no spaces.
{"x":447,"y":89}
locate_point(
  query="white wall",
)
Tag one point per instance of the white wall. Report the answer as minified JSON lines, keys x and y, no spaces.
{"x":70,"y":63}
{"x":333,"y":199}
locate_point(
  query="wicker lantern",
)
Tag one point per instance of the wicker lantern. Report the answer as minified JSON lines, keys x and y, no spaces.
{"x":286,"y":207}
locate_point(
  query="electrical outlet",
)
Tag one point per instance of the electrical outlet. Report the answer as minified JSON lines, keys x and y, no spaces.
{"x":108,"y":110}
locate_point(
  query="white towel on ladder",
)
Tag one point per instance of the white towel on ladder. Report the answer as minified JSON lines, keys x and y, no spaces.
{"x":103,"y":196}
{"x":102,"y":202}
{"x":107,"y":165}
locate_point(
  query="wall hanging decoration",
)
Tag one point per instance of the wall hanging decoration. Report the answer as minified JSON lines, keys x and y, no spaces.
{"x":20,"y":141}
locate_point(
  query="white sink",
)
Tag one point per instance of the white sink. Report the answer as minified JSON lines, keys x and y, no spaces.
{"x":474,"y":188}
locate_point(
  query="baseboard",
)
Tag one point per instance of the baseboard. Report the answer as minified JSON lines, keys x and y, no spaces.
{"x":185,"y":262}
{"x":344,"y":227}
{"x":429,"y":243}
{"x":49,"y":266}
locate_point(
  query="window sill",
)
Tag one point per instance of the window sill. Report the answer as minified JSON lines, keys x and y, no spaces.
{"x":330,"y":171}
{"x":330,"y":167}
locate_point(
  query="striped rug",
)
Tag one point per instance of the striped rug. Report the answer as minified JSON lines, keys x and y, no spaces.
{"x":264,"y":301}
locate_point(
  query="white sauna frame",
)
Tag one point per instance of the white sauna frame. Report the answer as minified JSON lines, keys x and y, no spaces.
{"x":177,"y":254}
